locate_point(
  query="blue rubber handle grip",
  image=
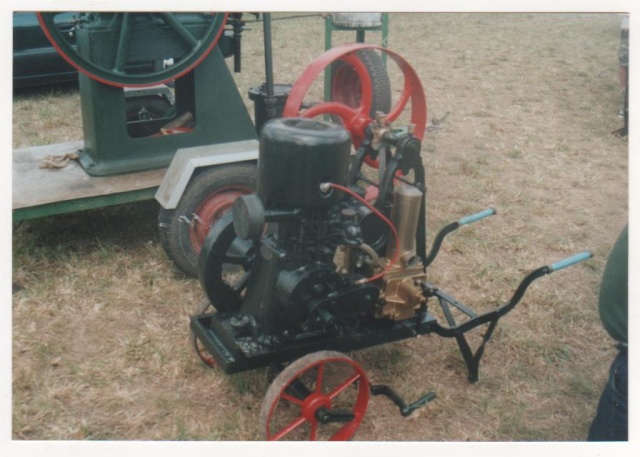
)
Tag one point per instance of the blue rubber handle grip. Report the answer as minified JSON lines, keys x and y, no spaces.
{"x":564,"y":263}
{"x":476,"y":217}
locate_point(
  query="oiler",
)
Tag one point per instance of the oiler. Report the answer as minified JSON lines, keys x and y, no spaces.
{"x":402,"y":294}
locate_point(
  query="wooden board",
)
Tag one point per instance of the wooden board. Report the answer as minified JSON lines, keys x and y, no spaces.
{"x":34,"y":186}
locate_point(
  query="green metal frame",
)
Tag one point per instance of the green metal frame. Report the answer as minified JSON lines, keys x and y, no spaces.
{"x":72,"y":206}
{"x":208,"y":93}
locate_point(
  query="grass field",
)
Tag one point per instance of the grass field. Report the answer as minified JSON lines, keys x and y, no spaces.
{"x":100,"y":325}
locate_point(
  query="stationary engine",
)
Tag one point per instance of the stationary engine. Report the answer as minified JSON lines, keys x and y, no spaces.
{"x":323,"y":259}
{"x":330,"y":256}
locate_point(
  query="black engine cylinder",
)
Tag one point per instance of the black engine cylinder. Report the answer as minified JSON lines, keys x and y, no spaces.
{"x":296,"y":156}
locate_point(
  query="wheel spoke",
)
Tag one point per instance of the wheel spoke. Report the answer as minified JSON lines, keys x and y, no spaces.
{"x":291,"y":398}
{"x":342,"y":387}
{"x":126,"y":29}
{"x":338,"y":109}
{"x":402,"y":103}
{"x":288,"y":428}
{"x":180,"y":29}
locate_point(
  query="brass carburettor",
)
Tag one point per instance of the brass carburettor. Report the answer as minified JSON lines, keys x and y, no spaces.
{"x":402,"y":295}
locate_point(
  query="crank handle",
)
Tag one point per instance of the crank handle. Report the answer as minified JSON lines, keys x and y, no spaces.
{"x":564,"y":263}
{"x":405,"y":409}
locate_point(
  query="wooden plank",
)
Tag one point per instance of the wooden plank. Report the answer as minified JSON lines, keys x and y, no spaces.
{"x":35,"y":186}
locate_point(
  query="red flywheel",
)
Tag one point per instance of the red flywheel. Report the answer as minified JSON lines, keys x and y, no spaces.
{"x":355,"y":119}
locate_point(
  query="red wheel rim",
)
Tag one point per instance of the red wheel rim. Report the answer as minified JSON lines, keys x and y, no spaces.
{"x":356,"y":119}
{"x":326,"y":393}
{"x":210,"y":210}
{"x":204,"y":355}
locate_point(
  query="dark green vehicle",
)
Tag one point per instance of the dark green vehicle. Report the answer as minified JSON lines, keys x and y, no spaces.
{"x":35,"y":61}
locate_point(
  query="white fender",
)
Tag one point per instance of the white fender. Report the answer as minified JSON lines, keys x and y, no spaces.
{"x":186,"y":160}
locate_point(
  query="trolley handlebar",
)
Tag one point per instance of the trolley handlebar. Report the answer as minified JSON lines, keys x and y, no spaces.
{"x":564,"y":263}
{"x":503,"y":309}
{"x":476,"y":217}
{"x":452,"y":227}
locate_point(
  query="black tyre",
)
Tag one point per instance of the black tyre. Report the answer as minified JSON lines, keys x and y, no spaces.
{"x":209,"y":196}
{"x":346,"y":88}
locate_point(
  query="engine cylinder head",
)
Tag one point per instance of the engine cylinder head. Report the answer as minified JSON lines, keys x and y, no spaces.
{"x":296,"y":156}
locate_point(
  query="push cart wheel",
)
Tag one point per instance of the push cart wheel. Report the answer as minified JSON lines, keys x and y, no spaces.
{"x":203,"y":307}
{"x":321,"y":396}
{"x":208,"y":197}
{"x":195,"y":35}
{"x":346,"y":87}
{"x":356,"y":119}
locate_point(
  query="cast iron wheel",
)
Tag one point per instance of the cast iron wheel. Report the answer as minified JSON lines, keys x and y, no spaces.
{"x":225,"y":265}
{"x":356,"y":120}
{"x":209,"y":196}
{"x":346,"y":87}
{"x":321,"y":396}
{"x":118,"y":72}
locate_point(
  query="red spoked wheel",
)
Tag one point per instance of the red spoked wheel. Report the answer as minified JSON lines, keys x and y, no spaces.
{"x":321,"y":396}
{"x":203,"y":307}
{"x":356,"y":119}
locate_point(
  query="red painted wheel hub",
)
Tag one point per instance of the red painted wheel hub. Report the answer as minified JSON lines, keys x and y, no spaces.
{"x":210,"y":210}
{"x":311,"y":405}
{"x":356,"y":119}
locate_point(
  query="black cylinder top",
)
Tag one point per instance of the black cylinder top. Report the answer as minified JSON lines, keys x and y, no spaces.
{"x":296,"y":156}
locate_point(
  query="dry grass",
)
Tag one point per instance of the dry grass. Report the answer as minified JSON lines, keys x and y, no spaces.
{"x":100,"y":330}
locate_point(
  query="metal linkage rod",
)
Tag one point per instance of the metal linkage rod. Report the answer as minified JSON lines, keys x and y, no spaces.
{"x":270,"y":101}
